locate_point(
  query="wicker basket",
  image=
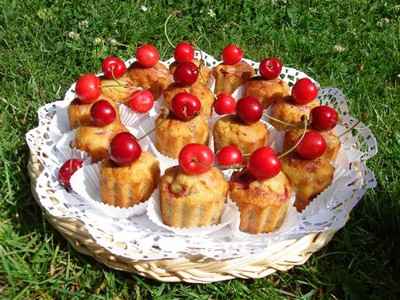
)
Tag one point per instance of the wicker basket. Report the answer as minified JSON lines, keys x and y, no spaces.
{"x":281,"y":256}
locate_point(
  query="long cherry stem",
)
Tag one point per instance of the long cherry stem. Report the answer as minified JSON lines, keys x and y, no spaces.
{"x":164,"y":112}
{"x":291,"y":149}
{"x":147,"y":134}
{"x":349,"y":129}
{"x":166,"y":31}
{"x":279,"y":121}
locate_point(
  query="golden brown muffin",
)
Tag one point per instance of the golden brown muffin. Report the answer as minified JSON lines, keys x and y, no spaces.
{"x":125,"y":186}
{"x":204,"y":71}
{"x":171,"y":135}
{"x":229,"y":77}
{"x":192,"y":200}
{"x":201,"y":91}
{"x":156,"y":78}
{"x":96,"y":140}
{"x":79,"y":113}
{"x":263,"y":204}
{"x":291,"y":113}
{"x":267,"y":91}
{"x":308,"y":177}
{"x":119,"y":89}
{"x":332,"y":142}
{"x":229,"y":130}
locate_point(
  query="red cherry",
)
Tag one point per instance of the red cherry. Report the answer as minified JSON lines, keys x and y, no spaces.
{"x":229,"y":156}
{"x":67,"y":170}
{"x":249,"y":109}
{"x":270,"y":68}
{"x":312,"y":146}
{"x":147,"y":55}
{"x":232,"y":54}
{"x":141,"y":101}
{"x":264,"y":163}
{"x":184,"y":52}
{"x":304,"y":91}
{"x":323,"y":117}
{"x":102,"y":113}
{"x":195,"y":159}
{"x":186,"y":73}
{"x":113,"y":67}
{"x":185,"y":106}
{"x":124,"y":149}
{"x":88,"y":88}
{"x":225,"y":104}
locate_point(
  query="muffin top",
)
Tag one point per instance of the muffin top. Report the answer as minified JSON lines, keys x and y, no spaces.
{"x":154,"y":73}
{"x":177,"y":185}
{"x":274,"y":191}
{"x":201,"y":91}
{"x":204,"y":71}
{"x":231,"y":126}
{"x":177,"y":128}
{"x":292,"y":113}
{"x":138,"y":170}
{"x":332,"y":141}
{"x":240,"y":69}
{"x":268,"y":91}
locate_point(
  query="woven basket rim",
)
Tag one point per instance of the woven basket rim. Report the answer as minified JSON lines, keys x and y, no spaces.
{"x":186,"y":269}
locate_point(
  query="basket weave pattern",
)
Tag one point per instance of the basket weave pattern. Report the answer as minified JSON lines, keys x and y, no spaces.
{"x":280,"y":257}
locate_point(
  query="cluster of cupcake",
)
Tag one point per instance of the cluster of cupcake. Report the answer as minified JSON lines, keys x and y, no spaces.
{"x":193,"y":192}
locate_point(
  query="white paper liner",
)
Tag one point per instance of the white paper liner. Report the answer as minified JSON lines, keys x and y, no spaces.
{"x":86,"y":183}
{"x":229,"y":215}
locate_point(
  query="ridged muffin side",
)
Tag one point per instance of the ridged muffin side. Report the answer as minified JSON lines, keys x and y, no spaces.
{"x":192,"y":200}
{"x":262,"y":204}
{"x":125,"y":186}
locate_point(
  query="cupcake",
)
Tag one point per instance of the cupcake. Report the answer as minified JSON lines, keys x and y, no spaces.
{"x":95,"y":137}
{"x":263,"y":204}
{"x":79,"y":114}
{"x":201,"y":91}
{"x":172,"y":134}
{"x":231,"y":130}
{"x":229,"y":77}
{"x":308,"y":177}
{"x":291,"y":113}
{"x":267,"y":91}
{"x":119,"y":89}
{"x":95,"y":140}
{"x":204,"y":71}
{"x":126,"y":185}
{"x":297,"y":107}
{"x":155,"y":78}
{"x":332,"y":142}
{"x":194,"y":200}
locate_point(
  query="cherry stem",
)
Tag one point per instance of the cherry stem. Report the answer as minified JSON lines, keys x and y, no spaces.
{"x":201,"y":60}
{"x":163,"y":113}
{"x":349,"y":129}
{"x":280,"y":121}
{"x":166,"y":31}
{"x":146,"y":134}
{"x":291,"y":149}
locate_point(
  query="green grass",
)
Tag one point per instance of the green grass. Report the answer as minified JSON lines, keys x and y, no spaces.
{"x":38,"y":61}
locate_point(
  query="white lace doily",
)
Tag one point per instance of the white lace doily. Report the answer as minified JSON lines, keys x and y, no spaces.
{"x":136,"y":236}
